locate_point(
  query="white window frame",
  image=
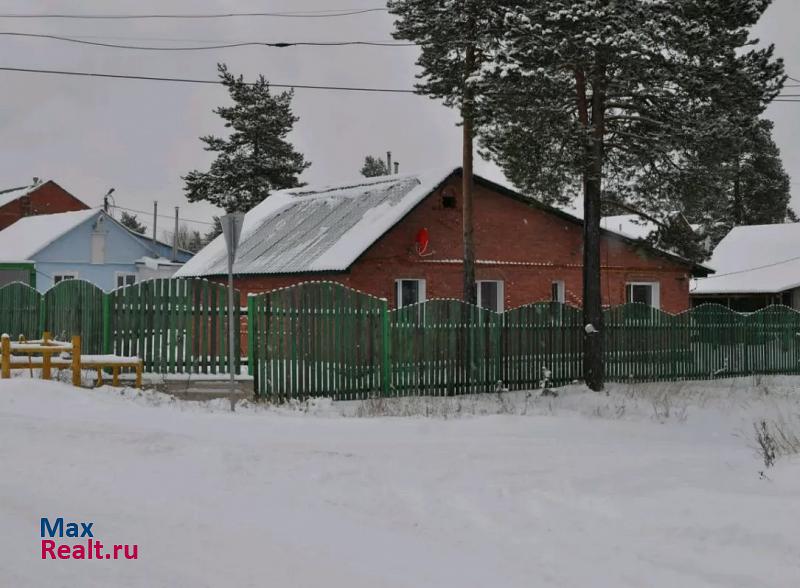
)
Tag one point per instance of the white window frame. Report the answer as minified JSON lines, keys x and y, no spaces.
{"x":63,"y":276}
{"x":398,"y":290}
{"x":655,"y":294}
{"x":561,"y":291}
{"x":500,"y":293}
{"x":118,"y":275}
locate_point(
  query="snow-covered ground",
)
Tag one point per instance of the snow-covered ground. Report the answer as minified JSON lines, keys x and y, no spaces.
{"x":655,"y":486}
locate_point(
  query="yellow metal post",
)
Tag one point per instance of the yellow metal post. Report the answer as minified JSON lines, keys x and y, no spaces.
{"x":5,"y":370}
{"x":76,"y":360}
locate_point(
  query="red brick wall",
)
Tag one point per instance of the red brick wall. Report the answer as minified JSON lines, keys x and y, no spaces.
{"x":524,"y":246}
{"x":49,"y":198}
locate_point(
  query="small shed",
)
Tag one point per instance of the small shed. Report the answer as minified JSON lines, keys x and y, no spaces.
{"x":756,"y":266}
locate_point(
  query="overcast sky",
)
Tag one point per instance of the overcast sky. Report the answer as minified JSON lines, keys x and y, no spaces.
{"x":140,"y":137}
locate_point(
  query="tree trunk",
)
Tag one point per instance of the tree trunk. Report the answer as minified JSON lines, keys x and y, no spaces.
{"x":738,"y":206}
{"x":470,"y":292}
{"x":592,"y":294}
{"x":592,"y":190}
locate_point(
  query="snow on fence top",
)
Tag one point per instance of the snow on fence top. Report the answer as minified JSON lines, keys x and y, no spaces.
{"x":322,"y":228}
{"x":754,"y":259}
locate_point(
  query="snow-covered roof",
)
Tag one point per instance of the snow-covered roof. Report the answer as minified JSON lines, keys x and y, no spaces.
{"x":29,"y":235}
{"x":9,"y":195}
{"x":326,"y":228}
{"x":323,"y":228}
{"x":629,"y":225}
{"x":754,"y":259}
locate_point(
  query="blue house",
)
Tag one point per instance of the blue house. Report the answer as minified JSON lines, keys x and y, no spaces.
{"x":89,"y":245}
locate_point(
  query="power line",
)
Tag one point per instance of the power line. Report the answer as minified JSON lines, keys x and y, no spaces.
{"x":752,"y":269}
{"x":279,"y":45}
{"x":331,"y":13}
{"x":198,"y":81}
{"x":188,"y":220}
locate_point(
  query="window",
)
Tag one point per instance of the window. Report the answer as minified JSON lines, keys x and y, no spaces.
{"x":490,"y":295}
{"x":125,"y":279}
{"x":408,"y":292}
{"x":558,"y":291}
{"x":62,"y":277}
{"x":448,"y":199}
{"x":644,"y":292}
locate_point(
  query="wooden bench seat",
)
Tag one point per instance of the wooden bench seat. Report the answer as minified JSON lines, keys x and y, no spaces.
{"x":48,"y":354}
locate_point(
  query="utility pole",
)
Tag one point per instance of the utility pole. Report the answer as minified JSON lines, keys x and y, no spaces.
{"x":155,"y":224}
{"x":175,"y":238}
{"x":470,"y":294}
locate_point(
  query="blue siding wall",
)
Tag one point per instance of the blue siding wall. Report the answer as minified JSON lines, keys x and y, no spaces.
{"x":72,"y":253}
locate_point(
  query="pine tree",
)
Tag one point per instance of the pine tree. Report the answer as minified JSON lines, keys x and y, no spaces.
{"x":737,"y":180}
{"x":452,"y":35}
{"x":374,"y":167}
{"x":589,"y":95}
{"x":214,"y":232}
{"x":256,"y":158}
{"x":132,"y":222}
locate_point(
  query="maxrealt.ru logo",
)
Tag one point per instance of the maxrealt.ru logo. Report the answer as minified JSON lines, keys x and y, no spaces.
{"x":88,"y":547}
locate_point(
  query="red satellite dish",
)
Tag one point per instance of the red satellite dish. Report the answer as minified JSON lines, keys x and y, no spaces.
{"x":422,"y":241}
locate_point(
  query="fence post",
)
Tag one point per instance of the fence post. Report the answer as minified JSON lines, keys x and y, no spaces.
{"x":499,"y":330}
{"x":386,"y":356}
{"x":42,"y":314}
{"x":107,"y":344}
{"x":251,"y":341}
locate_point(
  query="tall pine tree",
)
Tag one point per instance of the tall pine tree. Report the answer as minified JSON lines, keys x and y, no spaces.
{"x":586,"y":95}
{"x":452,"y":36}
{"x":256,"y":158}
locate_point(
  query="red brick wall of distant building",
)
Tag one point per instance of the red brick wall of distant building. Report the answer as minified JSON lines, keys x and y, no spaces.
{"x":49,"y":198}
{"x":522,"y":245}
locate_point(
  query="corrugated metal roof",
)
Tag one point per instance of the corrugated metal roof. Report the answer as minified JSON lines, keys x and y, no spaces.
{"x":314,"y":229}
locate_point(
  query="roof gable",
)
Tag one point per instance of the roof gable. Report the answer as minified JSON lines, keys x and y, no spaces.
{"x":28,"y":236}
{"x":317,"y":229}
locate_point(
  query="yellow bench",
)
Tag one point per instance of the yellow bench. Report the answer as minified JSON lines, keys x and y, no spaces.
{"x":39,"y":354}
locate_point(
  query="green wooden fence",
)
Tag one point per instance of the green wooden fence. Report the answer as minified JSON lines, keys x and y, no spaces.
{"x":75,"y":307}
{"x":317,"y":338}
{"x":20,"y":307}
{"x":175,"y":325}
{"x":324,"y":339}
{"x":444,"y":347}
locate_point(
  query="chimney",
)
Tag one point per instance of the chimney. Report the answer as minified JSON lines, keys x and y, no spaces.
{"x":389,"y":162}
{"x":396,"y":168}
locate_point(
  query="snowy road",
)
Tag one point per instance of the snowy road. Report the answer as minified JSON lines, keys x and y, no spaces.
{"x":264,"y":499}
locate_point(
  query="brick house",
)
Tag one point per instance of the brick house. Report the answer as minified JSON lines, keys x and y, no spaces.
{"x":38,"y":198}
{"x":399,"y":237}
